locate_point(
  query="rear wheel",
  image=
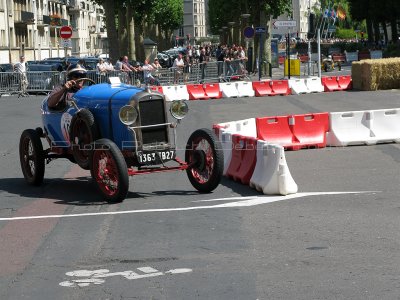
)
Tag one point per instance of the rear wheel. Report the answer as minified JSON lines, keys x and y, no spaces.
{"x":206,"y":160}
{"x":109,"y":171}
{"x":83,"y":134}
{"x":32,"y":157}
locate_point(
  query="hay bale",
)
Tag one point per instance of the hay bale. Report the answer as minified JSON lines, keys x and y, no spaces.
{"x":376,"y":74}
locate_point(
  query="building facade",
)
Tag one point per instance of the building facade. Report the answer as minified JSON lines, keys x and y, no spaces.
{"x":194,"y":24}
{"x":31,"y":28}
{"x":300,"y":15}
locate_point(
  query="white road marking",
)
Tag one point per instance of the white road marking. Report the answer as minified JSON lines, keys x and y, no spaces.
{"x":94,"y":277}
{"x":243,"y":202}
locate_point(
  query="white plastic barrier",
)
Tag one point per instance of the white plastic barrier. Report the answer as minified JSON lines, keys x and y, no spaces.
{"x":170,"y":93}
{"x":182,"y":92}
{"x":226,"y":143}
{"x":245,"y":89}
{"x":271,"y":174}
{"x":314,"y":85}
{"x":298,"y":86}
{"x":386,"y":125}
{"x":228,"y":90}
{"x":364,"y":127}
{"x":246,"y":127}
{"x":349,"y":128}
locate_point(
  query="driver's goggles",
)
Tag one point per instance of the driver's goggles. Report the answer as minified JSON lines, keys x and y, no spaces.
{"x":79,"y":75}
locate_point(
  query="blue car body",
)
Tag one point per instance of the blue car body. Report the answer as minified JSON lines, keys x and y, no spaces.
{"x":104,"y":102}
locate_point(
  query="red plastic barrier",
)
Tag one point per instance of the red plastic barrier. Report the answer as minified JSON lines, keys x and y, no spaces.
{"x":294,"y":132}
{"x":196,"y":92}
{"x":157,"y":88}
{"x":339,"y":57}
{"x":281,"y":60}
{"x":262,"y":88}
{"x":275,"y":130}
{"x":217,"y":128}
{"x":244,"y":158}
{"x":310,"y":130}
{"x":280,"y":87}
{"x":330,"y":84}
{"x":345,"y":82}
{"x":303,"y":58}
{"x":212,"y":90}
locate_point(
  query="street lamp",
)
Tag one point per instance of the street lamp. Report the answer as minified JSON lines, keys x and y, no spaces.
{"x":231,"y":31}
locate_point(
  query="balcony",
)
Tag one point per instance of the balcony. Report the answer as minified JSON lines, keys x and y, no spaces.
{"x":23,"y":17}
{"x":75,"y":6}
{"x":43,"y":21}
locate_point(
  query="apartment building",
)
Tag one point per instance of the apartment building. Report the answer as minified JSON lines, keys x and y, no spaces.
{"x":31,"y":28}
{"x":300,"y":14}
{"x":194,"y":21}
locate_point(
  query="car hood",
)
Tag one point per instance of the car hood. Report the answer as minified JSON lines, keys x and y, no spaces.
{"x":103,"y":92}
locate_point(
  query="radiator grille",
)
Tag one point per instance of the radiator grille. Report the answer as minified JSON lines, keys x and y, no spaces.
{"x":152,"y":112}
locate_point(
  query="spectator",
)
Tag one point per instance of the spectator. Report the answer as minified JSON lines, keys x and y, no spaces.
{"x":101,"y":70}
{"x":187,"y":69}
{"x":157,"y":69}
{"x":147,"y":69}
{"x":203,"y":64}
{"x":178,"y":67}
{"x":20,"y":68}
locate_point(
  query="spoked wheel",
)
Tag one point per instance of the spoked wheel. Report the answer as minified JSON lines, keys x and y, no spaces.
{"x":32,"y":157}
{"x":109,"y":171}
{"x":83,"y":134}
{"x":205,"y":159}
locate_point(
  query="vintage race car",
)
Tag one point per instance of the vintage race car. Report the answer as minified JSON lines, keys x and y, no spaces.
{"x":117,"y":131}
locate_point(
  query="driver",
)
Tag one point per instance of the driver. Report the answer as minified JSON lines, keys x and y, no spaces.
{"x":61,"y":94}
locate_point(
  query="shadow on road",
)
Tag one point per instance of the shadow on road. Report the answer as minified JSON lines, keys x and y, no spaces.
{"x":79,"y":191}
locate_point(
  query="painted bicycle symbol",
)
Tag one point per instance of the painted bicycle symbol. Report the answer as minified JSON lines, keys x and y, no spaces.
{"x":98,"y":276}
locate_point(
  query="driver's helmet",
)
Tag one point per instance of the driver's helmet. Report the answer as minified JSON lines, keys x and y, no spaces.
{"x":330,"y":56}
{"x":76,"y":71}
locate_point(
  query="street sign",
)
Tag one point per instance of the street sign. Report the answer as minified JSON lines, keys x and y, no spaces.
{"x":260,"y":30}
{"x":248,"y":32}
{"x":65,"y":32}
{"x":289,"y":23}
{"x":66,"y":43}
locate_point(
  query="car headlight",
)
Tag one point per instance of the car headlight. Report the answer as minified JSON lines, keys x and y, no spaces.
{"x":128,"y":114}
{"x":179,"y":109}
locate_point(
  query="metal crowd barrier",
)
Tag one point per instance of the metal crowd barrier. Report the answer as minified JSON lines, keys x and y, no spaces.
{"x":45,"y":82}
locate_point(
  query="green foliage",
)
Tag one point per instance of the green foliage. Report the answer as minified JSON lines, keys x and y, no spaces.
{"x":345,"y":33}
{"x":168,"y":13}
{"x":392,"y":50}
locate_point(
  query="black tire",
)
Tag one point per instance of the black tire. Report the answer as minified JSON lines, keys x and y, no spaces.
{"x":83,"y":133}
{"x":32,"y":157}
{"x":205,"y":169}
{"x":113,"y":180}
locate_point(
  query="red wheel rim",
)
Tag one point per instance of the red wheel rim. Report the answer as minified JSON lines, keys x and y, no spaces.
{"x":28,"y":157}
{"x":105,"y":172}
{"x":202,"y":170}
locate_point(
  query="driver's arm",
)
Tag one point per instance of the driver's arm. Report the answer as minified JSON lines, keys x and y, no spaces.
{"x":57,"y":94}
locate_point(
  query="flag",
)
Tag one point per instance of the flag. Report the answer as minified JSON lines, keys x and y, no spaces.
{"x":341,"y":13}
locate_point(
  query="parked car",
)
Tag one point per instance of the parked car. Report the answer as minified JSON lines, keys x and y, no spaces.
{"x":43,"y":77}
{"x":164,"y":60}
{"x":6,"y":68}
{"x":117,"y":131}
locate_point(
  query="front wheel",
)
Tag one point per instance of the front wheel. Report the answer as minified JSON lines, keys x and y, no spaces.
{"x":205,"y":159}
{"x":31,"y":157}
{"x":109,"y":171}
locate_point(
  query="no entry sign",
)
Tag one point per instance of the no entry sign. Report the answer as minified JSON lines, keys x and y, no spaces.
{"x":65,"y":32}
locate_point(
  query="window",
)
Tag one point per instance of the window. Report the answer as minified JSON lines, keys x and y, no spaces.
{"x":195,"y":8}
{"x":195,"y":20}
{"x":196,"y":32}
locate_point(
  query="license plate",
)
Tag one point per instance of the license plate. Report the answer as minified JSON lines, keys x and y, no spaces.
{"x":155,"y":157}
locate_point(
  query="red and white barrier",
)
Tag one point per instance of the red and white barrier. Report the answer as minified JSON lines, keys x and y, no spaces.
{"x":226,"y":143}
{"x":364,"y":127}
{"x":246,"y":127}
{"x":182,"y":93}
{"x":298,"y":86}
{"x":314,"y":85}
{"x":228,"y":90}
{"x":245,"y":89}
{"x":170,"y":93}
{"x":271,"y":174}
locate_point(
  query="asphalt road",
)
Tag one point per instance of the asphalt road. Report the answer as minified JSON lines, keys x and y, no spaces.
{"x":166,"y":242}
